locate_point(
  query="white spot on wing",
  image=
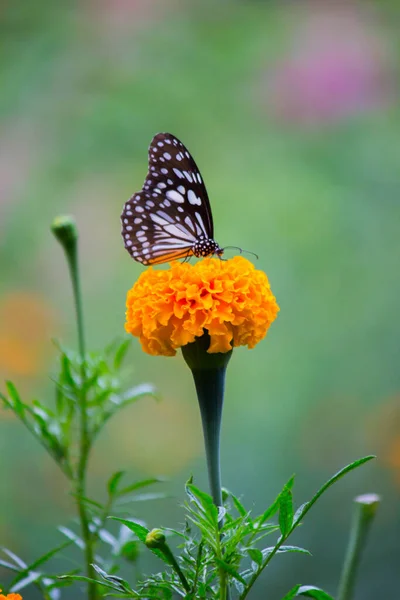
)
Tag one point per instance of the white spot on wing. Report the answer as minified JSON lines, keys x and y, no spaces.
{"x":201,"y":223}
{"x":175,"y":196}
{"x":193,"y":199}
{"x":178,"y":172}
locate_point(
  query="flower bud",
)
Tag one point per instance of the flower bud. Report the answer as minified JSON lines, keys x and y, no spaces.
{"x":65,"y":231}
{"x":155,"y":539}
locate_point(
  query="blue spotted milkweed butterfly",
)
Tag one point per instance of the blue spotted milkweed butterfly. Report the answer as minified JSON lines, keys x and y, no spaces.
{"x":170,"y":218}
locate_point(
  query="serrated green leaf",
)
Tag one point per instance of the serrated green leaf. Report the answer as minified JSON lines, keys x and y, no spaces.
{"x":273,"y":509}
{"x":37,"y":563}
{"x":7,"y":565}
{"x":255,"y":555}
{"x":284,"y":549}
{"x":72,"y":536}
{"x":313,"y":592}
{"x":23,"y":583}
{"x":66,"y":373}
{"x":204,"y":502}
{"x":299,"y":512}
{"x":230,"y":570}
{"x":329,"y":483}
{"x":121,"y":353}
{"x":138,"y":485}
{"x":16,"y":403}
{"x":114,"y":481}
{"x":292,"y":593}
{"x":87,"y":579}
{"x":238,"y":505}
{"x":18,"y":561}
{"x":122,"y":501}
{"x":139,"y":530}
{"x":285,"y":511}
{"x":89,"y":502}
{"x":118,"y":582}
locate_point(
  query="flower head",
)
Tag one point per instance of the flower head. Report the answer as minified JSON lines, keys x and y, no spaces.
{"x":10,"y":596}
{"x":229,"y":299}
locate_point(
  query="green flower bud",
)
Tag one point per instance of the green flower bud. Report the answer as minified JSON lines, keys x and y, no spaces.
{"x":155,"y":539}
{"x":65,"y":231}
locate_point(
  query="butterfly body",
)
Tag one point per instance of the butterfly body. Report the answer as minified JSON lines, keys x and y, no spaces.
{"x":206,"y":247}
{"x":170,"y":218}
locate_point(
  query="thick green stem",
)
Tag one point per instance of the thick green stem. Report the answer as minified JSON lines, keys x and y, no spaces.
{"x":208,"y":372}
{"x":65,"y":231}
{"x":364,"y":512}
{"x":210,"y":393}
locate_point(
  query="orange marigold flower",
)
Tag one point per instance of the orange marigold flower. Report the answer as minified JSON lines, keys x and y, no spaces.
{"x":10,"y":596}
{"x":230,"y":299}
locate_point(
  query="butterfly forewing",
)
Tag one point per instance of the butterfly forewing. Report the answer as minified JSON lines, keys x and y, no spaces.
{"x":172,"y":212}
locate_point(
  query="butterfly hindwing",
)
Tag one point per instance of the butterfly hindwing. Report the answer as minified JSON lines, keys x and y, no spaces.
{"x":172,"y":212}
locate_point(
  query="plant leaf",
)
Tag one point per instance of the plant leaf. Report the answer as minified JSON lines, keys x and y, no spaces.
{"x":230,"y":570}
{"x":273,"y":509}
{"x":72,"y":536}
{"x":313,"y":592}
{"x":285,"y":511}
{"x":18,"y":561}
{"x":16,"y":401}
{"x":138,"y":485}
{"x":204,"y":502}
{"x":40,"y":561}
{"x":292,"y":593}
{"x":121,"y":353}
{"x":284,"y":549}
{"x":255,"y":555}
{"x":329,"y":483}
{"x":114,"y":481}
{"x":87,"y":579}
{"x":140,"y":531}
{"x":239,"y":506}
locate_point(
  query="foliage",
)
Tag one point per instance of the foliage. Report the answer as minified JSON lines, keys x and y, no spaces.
{"x":225,"y":546}
{"x":57,"y":429}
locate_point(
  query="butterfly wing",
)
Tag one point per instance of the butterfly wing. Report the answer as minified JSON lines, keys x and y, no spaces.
{"x":164,"y":220}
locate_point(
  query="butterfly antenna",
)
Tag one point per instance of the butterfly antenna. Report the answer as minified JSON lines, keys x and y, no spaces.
{"x":241,"y":250}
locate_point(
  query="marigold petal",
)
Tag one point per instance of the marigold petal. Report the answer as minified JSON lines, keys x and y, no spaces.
{"x":230,"y":299}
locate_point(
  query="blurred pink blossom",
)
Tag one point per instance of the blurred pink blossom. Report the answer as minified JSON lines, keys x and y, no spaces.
{"x":338,"y":64}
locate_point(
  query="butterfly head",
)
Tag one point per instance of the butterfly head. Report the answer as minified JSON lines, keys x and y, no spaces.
{"x":206,"y":247}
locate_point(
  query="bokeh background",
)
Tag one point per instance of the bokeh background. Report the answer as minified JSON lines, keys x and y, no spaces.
{"x":291,"y":110}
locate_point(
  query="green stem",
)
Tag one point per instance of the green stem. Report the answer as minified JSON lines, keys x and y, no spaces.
{"x":210,"y":385}
{"x":84,"y":442}
{"x":174,"y":564}
{"x":209,"y":372}
{"x":364,"y":512}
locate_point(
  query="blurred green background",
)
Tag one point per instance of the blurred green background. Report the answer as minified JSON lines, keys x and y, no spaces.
{"x":291,"y":110}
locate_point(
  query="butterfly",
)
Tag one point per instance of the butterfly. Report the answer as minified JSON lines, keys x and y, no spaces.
{"x":170,"y":218}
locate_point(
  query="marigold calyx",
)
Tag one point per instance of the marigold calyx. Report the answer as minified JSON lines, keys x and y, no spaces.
{"x":197,"y":356}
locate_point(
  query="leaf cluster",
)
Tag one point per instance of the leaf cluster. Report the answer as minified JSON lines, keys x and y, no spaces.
{"x":98,"y":379}
{"x":221,"y":547}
